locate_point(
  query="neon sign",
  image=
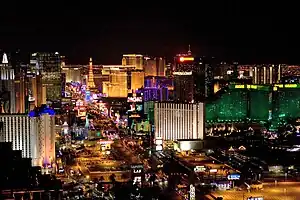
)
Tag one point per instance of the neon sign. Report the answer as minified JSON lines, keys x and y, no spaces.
{"x":104,"y":142}
{"x":134,"y":99}
{"x":134,"y":116}
{"x":192,"y":192}
{"x":255,"y":198}
{"x":182,"y":73}
{"x":233,"y":177}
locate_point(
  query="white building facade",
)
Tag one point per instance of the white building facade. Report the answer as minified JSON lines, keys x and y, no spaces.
{"x":179,"y":121}
{"x":16,"y":128}
{"x":43,"y":140}
{"x":35,"y":136}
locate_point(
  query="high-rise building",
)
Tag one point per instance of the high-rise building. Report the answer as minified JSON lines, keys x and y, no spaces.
{"x":133,"y":59}
{"x":116,"y":82}
{"x":193,"y":77}
{"x":73,"y":73}
{"x":16,"y":128}
{"x":207,"y":65}
{"x":185,"y":67}
{"x":176,"y":121}
{"x":154,"y":66}
{"x":7,"y":86}
{"x":150,"y":67}
{"x":18,"y":61}
{"x":158,"y":89}
{"x":119,"y":80}
{"x":21,"y":89}
{"x":43,"y":141}
{"x":34,"y":135}
{"x":137,"y":79}
{"x":49,"y":66}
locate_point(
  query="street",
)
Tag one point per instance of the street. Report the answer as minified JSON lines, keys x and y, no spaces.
{"x":281,"y":191}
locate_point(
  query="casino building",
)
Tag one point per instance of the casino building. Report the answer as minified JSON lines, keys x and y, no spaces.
{"x":179,"y":121}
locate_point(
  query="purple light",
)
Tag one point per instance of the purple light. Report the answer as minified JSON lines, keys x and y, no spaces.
{"x":41,"y":110}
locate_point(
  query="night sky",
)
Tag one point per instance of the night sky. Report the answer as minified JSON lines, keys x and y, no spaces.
{"x":105,"y":32}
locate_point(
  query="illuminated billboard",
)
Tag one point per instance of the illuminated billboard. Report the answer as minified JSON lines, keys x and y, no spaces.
{"x":135,"y":99}
{"x":137,"y":173}
{"x":255,"y":198}
{"x":183,"y":73}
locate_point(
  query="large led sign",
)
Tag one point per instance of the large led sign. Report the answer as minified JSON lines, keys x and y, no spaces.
{"x":182,"y":59}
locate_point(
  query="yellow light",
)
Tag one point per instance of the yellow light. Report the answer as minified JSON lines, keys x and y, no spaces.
{"x":291,"y":85}
{"x":279,"y":85}
{"x":182,"y":59}
{"x":239,"y":86}
{"x":132,"y":55}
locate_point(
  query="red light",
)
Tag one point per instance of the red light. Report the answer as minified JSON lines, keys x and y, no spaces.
{"x":181,"y":59}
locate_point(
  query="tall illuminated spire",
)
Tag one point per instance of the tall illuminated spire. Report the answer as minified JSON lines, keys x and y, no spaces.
{"x":4,"y":59}
{"x":91,"y":83}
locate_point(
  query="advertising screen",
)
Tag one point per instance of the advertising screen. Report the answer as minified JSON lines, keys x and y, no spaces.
{"x":137,"y":173}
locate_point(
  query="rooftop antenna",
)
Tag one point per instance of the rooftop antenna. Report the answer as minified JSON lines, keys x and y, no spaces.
{"x":189,"y":51}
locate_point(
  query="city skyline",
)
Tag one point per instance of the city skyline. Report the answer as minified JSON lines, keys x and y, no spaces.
{"x":222,"y":30}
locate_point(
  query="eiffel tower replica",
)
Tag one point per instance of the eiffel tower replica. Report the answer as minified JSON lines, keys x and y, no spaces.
{"x":91,"y":84}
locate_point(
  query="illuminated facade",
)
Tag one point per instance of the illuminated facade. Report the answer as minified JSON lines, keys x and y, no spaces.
{"x":154,"y":66}
{"x":119,"y":80}
{"x":133,"y":59}
{"x":48,"y":66}
{"x":73,"y":73}
{"x":287,"y":101}
{"x":231,"y":106}
{"x":33,"y":134}
{"x":21,"y":84}
{"x":42,"y":137}
{"x":136,"y":108}
{"x":116,"y":84}
{"x":158,"y":89}
{"x":175,"y":121}
{"x":255,"y":103}
{"x":16,"y":128}
{"x":266,"y":74}
{"x":90,"y":82}
{"x":7,"y":87}
{"x":137,"y":79}
{"x":193,"y":78}
{"x":184,"y":66}
{"x":37,"y":91}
